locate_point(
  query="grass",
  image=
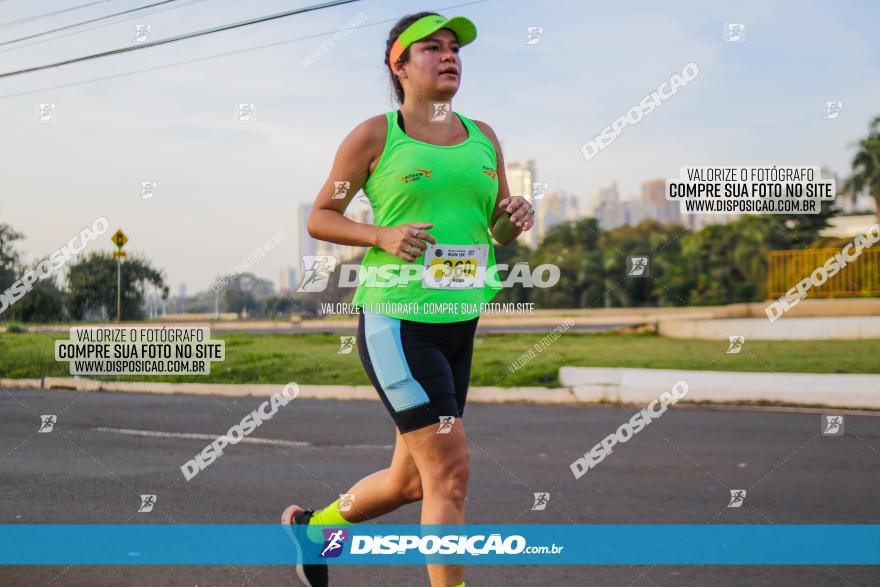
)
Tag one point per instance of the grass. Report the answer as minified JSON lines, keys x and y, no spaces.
{"x":313,"y":358}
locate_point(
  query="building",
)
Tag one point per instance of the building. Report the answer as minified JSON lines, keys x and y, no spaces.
{"x":656,"y":205}
{"x":556,"y":207}
{"x":520,"y":180}
{"x":608,"y":209}
{"x":306,"y":245}
{"x":287,"y":280}
{"x":613,"y":212}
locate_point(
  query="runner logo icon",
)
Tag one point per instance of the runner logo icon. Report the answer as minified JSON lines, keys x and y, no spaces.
{"x":333,"y":542}
{"x":832,"y":425}
{"x":737,"y":496}
{"x":47,"y":422}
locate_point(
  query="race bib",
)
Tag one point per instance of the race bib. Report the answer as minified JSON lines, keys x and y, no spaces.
{"x":455,"y":266}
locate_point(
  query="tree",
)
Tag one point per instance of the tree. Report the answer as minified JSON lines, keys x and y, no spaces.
{"x":43,"y":303}
{"x":10,"y":260}
{"x":801,"y":230}
{"x":245,"y":290}
{"x":510,"y":255}
{"x":866,"y":165}
{"x":659,"y":242}
{"x":91,"y":283}
{"x":275,"y":307}
{"x":571,"y":247}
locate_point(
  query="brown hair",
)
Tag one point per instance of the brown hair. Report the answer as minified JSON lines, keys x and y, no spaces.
{"x":396,"y":30}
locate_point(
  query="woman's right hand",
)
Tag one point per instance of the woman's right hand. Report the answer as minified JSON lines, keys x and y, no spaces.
{"x":406,"y":241}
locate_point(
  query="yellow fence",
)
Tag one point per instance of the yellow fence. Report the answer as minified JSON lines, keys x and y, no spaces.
{"x":859,"y":278}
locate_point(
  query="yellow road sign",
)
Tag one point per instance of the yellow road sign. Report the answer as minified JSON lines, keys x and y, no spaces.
{"x":117,"y":254}
{"x":119,"y":238}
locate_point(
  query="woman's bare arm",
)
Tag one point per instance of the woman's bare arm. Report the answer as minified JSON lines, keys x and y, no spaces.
{"x":352,"y":164}
{"x":351,"y":167}
{"x":503,"y":227}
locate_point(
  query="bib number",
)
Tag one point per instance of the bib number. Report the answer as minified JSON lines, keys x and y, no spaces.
{"x":455,"y":266}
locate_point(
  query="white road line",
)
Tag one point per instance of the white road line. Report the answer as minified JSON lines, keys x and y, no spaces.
{"x":247,"y":439}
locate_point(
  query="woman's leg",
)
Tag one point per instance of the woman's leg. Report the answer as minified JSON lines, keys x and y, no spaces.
{"x":442,"y":461}
{"x":386,"y":490}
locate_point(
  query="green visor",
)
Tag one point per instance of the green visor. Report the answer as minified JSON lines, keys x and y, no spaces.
{"x":464,"y":29}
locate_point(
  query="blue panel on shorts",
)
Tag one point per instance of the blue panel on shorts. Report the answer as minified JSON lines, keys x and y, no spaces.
{"x":389,"y":363}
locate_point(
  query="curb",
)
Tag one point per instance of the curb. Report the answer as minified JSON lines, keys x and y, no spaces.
{"x":546,"y":395}
{"x":580,"y":386}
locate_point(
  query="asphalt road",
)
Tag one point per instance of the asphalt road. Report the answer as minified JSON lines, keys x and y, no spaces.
{"x":93,"y":467}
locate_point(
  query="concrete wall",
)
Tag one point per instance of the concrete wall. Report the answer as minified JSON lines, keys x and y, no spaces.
{"x":640,"y":386}
{"x":785,"y":328}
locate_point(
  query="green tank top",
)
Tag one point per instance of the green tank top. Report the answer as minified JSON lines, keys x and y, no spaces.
{"x":455,"y":188}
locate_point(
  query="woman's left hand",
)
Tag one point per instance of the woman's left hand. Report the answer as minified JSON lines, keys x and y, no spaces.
{"x":521,"y":213}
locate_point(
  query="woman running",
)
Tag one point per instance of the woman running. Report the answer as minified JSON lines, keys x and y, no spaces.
{"x":439,"y":194}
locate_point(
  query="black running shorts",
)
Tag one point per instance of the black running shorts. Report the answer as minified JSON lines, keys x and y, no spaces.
{"x":421,"y":370}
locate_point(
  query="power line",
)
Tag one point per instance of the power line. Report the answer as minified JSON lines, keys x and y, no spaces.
{"x":215,"y":56}
{"x":183,"y":4}
{"x":90,"y":21}
{"x":179,"y":37}
{"x":44,"y":15}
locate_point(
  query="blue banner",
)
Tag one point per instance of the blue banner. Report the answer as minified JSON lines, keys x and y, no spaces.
{"x":564,"y":544}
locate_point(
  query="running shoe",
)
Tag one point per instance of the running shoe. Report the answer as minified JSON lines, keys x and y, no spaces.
{"x":310,"y":575}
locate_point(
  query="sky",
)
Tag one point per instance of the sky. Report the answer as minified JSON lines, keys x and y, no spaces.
{"x":168,"y":113}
